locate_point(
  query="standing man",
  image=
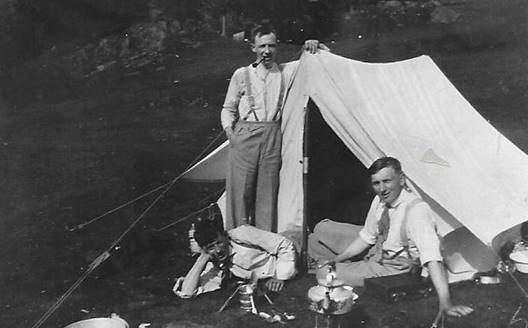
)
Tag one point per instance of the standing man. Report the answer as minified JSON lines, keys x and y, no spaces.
{"x":399,"y":230}
{"x":251,"y":119}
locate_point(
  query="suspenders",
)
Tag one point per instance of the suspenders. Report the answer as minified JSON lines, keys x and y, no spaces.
{"x":251,"y":98}
{"x":281,"y":95}
{"x":379,"y":254}
{"x":403,"y":229}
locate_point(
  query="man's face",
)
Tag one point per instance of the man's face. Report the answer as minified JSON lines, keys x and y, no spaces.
{"x":265,"y":47}
{"x":217,"y":250}
{"x":388,"y":184}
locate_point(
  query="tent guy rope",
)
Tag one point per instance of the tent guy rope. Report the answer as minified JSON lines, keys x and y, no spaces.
{"x":101,"y":258}
{"x":132,"y":201}
{"x":106,"y":254}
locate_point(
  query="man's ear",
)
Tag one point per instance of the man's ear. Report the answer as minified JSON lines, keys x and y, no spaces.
{"x":403,"y":179}
{"x":253,"y":49}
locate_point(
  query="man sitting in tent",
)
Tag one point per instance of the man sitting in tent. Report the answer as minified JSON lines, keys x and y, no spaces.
{"x":399,"y":230}
{"x":245,"y":252}
{"x":251,"y":117}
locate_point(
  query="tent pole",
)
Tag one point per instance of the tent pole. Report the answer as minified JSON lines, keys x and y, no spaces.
{"x":305,"y":160}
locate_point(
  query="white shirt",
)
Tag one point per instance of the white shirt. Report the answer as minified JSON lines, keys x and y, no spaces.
{"x":423,"y":239}
{"x":265,"y":89}
{"x":265,"y":253}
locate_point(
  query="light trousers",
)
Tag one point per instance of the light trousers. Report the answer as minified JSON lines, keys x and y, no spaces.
{"x":331,"y":238}
{"x":252,"y":182}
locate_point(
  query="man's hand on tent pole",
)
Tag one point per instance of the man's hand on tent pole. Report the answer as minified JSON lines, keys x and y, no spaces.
{"x":313,"y":46}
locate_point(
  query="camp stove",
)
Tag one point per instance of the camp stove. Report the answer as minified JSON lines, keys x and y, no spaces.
{"x":331,"y":300}
{"x":246,"y":296}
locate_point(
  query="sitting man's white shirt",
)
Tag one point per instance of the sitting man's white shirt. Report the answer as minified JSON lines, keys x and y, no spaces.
{"x":420,"y":229}
{"x":423,"y":242}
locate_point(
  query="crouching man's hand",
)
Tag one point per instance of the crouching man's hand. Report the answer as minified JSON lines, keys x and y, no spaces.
{"x":275,"y":285}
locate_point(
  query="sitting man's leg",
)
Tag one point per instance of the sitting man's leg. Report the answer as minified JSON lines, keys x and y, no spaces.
{"x":355,"y":273}
{"x":331,"y":238}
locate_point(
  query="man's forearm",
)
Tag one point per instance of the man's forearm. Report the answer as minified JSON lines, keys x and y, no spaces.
{"x":228,"y":117}
{"x":438,"y":276}
{"x":355,"y":248}
{"x":190,"y":284}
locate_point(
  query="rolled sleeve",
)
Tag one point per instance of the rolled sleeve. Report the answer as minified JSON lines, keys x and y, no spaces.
{"x":229,"y":114}
{"x":370,"y":232}
{"x":367,"y":236}
{"x":274,"y":244}
{"x":210,"y":280}
{"x":421,"y":230}
{"x":285,"y":268}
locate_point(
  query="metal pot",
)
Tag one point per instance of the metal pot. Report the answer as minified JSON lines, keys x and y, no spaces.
{"x":113,"y":322}
{"x":520,"y":258}
{"x":331,"y":296}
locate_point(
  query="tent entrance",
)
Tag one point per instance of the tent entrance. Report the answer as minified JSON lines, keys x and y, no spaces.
{"x":337,"y":184}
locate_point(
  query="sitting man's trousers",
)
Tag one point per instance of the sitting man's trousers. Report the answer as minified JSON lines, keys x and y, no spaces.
{"x":331,"y":238}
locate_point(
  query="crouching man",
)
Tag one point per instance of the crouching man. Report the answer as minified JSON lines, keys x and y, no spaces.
{"x":399,"y":230}
{"x":245,"y":252}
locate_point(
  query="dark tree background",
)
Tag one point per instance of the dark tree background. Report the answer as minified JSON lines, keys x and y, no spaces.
{"x":30,"y":27}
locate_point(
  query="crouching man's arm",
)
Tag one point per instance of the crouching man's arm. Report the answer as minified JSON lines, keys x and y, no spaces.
{"x":190,"y":284}
{"x":438,"y":276}
{"x":285,"y":266}
{"x":274,"y":244}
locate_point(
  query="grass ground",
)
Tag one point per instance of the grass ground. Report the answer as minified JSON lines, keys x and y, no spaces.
{"x":72,"y":151}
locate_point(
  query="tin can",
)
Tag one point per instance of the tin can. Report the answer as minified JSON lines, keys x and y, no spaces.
{"x":246,"y":294}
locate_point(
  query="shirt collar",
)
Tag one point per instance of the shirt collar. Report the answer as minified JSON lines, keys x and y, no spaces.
{"x":262,"y":70}
{"x":400,"y":199}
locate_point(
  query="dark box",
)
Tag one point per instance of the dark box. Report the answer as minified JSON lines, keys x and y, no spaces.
{"x":399,"y":287}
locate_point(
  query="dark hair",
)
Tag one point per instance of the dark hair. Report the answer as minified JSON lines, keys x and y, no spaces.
{"x":206,"y":231}
{"x":384,"y":162}
{"x":263,"y":29}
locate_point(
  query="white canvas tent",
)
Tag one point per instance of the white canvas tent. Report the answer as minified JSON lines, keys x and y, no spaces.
{"x":474,"y":178}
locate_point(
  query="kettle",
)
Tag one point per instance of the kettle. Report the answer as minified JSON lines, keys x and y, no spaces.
{"x":331,"y":296}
